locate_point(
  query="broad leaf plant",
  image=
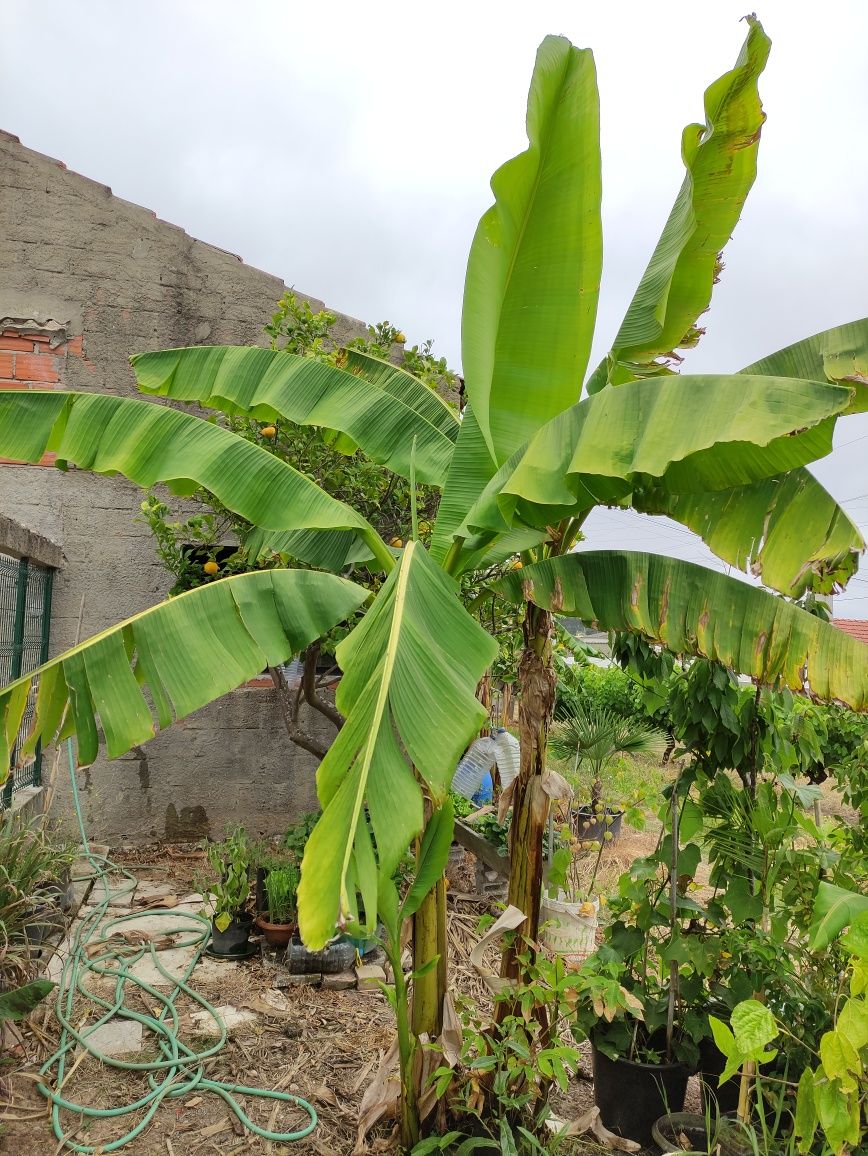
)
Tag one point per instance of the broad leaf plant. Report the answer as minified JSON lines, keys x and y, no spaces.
{"x":540,"y":445}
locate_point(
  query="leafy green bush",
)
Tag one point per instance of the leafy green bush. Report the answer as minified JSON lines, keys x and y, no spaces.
{"x":598,"y":688}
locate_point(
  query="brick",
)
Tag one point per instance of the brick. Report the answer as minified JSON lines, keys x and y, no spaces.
{"x":7,"y":383}
{"x":36,"y":367}
{"x":45,"y":460}
{"x":42,"y":338}
{"x":18,"y":344}
{"x":342,"y":981}
{"x":6,"y":365}
{"x":369,"y":977}
{"x":74,"y":345}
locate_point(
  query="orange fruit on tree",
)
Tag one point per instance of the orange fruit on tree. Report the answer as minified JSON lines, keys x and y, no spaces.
{"x":211,"y":567}
{"x":268,"y":431}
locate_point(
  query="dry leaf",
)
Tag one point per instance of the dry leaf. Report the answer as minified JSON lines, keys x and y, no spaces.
{"x":555,"y":785}
{"x":325,"y":1096}
{"x":505,"y":800}
{"x":380,"y":1098}
{"x":508,"y":921}
{"x":276,"y":999}
{"x":362,"y":1076}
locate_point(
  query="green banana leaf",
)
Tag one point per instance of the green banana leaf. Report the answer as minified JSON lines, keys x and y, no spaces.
{"x":470,"y":471}
{"x":834,"y":909}
{"x":382,"y":416}
{"x":186,"y":652}
{"x":332,"y":550}
{"x":533,"y":275}
{"x":838,"y":355}
{"x":19,"y":1002}
{"x":397,"y":382}
{"x":408,"y":696}
{"x":150,"y":443}
{"x":693,"y":610}
{"x":787,"y":530}
{"x":676,"y":434}
{"x":720,"y":157}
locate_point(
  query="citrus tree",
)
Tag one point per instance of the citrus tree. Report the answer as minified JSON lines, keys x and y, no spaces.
{"x":724,"y":454}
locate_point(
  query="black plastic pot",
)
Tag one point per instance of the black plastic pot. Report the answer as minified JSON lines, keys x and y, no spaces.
{"x":723,"y":1099}
{"x":592,"y":827}
{"x":632,"y":1096}
{"x":232,"y":941}
{"x":335,"y":957}
{"x":726,"y":1138}
{"x":43,"y":922}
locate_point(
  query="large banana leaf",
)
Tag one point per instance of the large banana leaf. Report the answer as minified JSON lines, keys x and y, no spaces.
{"x":382,"y":412}
{"x":410,"y":673}
{"x":786,"y":530}
{"x":839,"y":355}
{"x":185,"y":652}
{"x":397,"y":382}
{"x":693,"y":610}
{"x":470,"y":471}
{"x":533,"y":275}
{"x":720,"y":157}
{"x":332,"y":550}
{"x":150,"y":443}
{"x":676,"y":434}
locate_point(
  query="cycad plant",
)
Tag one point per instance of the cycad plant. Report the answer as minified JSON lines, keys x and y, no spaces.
{"x":519,"y":475}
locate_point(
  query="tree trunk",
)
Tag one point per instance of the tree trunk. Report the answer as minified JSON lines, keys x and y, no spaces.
{"x":429,"y":939}
{"x":530,"y":804}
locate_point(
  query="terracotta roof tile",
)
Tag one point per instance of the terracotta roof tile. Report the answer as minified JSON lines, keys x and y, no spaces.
{"x":856,"y":627}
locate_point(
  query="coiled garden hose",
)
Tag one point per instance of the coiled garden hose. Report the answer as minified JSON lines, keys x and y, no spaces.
{"x":180,"y":1070}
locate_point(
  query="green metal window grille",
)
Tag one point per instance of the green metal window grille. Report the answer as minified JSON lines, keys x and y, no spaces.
{"x":25,"y":617}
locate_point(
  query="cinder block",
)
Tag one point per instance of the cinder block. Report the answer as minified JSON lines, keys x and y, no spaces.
{"x":342,"y":981}
{"x":369,"y":977}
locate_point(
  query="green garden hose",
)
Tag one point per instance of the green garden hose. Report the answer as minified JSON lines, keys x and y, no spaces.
{"x":180,"y":1070}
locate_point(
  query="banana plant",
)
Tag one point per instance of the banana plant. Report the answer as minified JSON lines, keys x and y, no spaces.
{"x":533,"y":455}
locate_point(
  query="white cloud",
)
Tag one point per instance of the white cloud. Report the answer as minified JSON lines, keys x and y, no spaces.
{"x":348,"y":148}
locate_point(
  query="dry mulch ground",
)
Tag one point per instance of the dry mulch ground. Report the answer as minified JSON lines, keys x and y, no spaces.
{"x":322,"y":1045}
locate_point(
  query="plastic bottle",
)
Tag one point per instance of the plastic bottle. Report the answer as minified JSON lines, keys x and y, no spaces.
{"x":507,"y":756}
{"x":292,"y":672}
{"x":472,"y":769}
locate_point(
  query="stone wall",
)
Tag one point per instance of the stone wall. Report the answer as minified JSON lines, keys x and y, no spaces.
{"x":87,"y":280}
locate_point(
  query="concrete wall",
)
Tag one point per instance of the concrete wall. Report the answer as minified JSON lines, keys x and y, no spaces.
{"x":88,"y":279}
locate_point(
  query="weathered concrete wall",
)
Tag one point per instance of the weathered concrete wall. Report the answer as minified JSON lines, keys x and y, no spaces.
{"x":87,"y":280}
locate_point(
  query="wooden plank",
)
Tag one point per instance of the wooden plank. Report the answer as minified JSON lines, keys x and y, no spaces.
{"x":472,"y":841}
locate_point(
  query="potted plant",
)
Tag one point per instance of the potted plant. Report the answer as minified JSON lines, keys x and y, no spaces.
{"x":589,"y":737}
{"x":230,"y":922}
{"x":569,"y":909}
{"x":279,"y":919}
{"x":647,"y":993}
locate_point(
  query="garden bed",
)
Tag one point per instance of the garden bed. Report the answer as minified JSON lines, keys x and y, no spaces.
{"x":318,"y":1043}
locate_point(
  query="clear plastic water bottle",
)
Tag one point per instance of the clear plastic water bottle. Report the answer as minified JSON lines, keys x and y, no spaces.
{"x":472,"y":769}
{"x":507,"y":755}
{"x":292,"y":672}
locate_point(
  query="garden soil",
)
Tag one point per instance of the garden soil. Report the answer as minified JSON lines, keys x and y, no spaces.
{"x":320,"y":1044}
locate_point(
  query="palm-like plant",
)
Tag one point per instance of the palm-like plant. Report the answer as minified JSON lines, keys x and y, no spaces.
{"x":519,"y":475}
{"x":593,"y":735}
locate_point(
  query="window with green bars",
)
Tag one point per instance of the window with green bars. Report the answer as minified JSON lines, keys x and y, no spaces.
{"x":25,"y":616}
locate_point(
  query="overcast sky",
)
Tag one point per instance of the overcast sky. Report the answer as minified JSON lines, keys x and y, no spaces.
{"x":347,"y":148}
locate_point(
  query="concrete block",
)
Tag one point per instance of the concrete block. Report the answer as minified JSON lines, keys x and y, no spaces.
{"x":288,"y":979}
{"x":175,"y":960}
{"x":118,"y":1037}
{"x":342,"y":981}
{"x":369,"y":977}
{"x":231,"y":1016}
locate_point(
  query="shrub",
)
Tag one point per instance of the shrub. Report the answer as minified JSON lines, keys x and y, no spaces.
{"x":598,"y":687}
